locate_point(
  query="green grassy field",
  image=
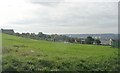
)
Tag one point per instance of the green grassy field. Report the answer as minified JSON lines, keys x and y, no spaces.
{"x":24,"y":54}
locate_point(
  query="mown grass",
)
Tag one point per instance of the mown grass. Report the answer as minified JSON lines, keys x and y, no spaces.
{"x":24,"y":54}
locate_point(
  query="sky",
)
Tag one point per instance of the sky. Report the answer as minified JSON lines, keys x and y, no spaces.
{"x":60,"y":16}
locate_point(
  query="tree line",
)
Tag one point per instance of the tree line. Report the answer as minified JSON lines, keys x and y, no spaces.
{"x":59,"y":38}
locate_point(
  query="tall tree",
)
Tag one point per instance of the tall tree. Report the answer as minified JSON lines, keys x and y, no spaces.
{"x":89,"y":40}
{"x":97,"y":41}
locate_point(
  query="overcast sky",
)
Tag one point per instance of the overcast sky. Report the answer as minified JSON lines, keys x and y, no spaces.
{"x":60,"y":16}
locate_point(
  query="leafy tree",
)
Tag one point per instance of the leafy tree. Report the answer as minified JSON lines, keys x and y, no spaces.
{"x":33,"y":36}
{"x":89,"y":40}
{"x":17,"y":34}
{"x":42,"y":36}
{"x":97,"y":41}
{"x":71,"y":40}
{"x":78,"y":40}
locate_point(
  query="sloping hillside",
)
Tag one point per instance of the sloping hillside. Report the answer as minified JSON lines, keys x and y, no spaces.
{"x":22,"y":54}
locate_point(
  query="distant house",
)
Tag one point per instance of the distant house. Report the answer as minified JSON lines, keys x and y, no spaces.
{"x":82,"y":41}
{"x":104,"y":42}
{"x":110,"y":42}
{"x":94,"y":43}
{"x":8,"y":31}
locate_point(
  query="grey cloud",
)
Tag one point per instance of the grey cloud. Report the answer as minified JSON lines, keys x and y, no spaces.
{"x":100,"y":16}
{"x":47,"y":2}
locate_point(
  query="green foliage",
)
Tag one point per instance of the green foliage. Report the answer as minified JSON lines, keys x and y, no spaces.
{"x":89,"y":40}
{"x":97,"y":41}
{"x":24,"y":54}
